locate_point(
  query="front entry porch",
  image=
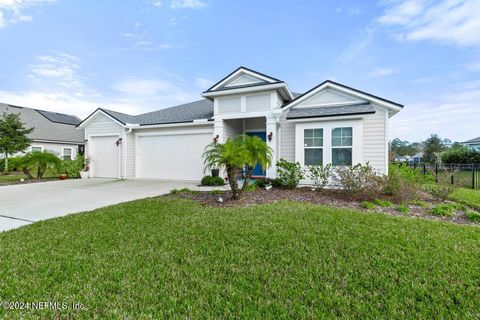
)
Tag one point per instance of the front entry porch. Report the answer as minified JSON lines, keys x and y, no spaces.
{"x":256,"y":126}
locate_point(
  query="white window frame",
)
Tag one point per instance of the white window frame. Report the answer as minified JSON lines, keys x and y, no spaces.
{"x":41,"y":148}
{"x":328,"y":126}
{"x":342,"y":146}
{"x":313,"y":138}
{"x":71,"y":152}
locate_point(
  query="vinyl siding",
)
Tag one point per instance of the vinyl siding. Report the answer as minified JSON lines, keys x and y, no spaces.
{"x":229,"y":105}
{"x":55,"y":148}
{"x":232,"y":128}
{"x":374,"y":139}
{"x":258,"y":102}
{"x":287,"y":143}
{"x":130,"y":155}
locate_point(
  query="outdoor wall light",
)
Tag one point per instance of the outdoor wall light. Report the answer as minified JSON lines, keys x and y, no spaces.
{"x":215,"y":140}
{"x":118,"y":142}
{"x":270,"y":136}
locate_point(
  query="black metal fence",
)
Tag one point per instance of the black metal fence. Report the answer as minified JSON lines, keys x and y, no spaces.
{"x":464,"y":175}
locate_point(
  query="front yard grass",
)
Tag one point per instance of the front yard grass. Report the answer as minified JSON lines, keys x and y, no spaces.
{"x":468,"y":197}
{"x":173,"y":258}
{"x":15,"y":177}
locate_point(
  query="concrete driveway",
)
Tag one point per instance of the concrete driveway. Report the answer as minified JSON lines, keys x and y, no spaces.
{"x":28,"y":203}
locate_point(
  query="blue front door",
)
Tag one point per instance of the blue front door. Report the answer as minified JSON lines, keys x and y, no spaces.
{"x":257,"y":171}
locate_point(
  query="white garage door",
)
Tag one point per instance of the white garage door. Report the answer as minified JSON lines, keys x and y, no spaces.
{"x":173,"y":157}
{"x":105,"y":156}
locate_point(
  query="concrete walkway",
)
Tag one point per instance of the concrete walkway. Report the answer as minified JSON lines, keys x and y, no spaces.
{"x":28,"y":203}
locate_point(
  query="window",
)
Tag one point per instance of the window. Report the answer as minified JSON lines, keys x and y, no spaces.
{"x":37,"y":149}
{"x":342,"y":140}
{"x":67,"y":154}
{"x":313,"y":146}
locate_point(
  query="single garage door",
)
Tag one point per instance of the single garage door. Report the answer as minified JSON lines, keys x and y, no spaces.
{"x":172,"y":157}
{"x":105,"y":156}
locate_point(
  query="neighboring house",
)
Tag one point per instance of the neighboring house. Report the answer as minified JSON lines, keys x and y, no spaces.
{"x":331,"y":123}
{"x":473,"y":144}
{"x":406,"y":158}
{"x":54,"y":132}
{"x":417,"y":158}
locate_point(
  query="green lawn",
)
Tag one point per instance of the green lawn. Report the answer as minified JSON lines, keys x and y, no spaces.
{"x":16,"y":176}
{"x":469,"y":197}
{"x":166,"y":258}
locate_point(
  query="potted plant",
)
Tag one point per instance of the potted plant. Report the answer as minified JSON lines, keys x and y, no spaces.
{"x":86,"y":168}
{"x":63,"y":176}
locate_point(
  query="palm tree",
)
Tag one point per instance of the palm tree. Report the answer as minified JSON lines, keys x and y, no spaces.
{"x":228,"y":155}
{"x":256,"y":152}
{"x":236,"y":153}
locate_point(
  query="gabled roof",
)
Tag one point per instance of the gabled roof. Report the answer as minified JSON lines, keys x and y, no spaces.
{"x":319,"y":112}
{"x":188,"y":112}
{"x":472,"y":141}
{"x":362,"y":94}
{"x":49,"y":126}
{"x":266,"y":79}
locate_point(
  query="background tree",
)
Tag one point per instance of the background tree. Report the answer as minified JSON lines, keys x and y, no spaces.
{"x":13,"y":136}
{"x":433,"y":148}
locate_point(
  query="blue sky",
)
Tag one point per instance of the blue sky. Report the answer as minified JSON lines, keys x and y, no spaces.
{"x":139,"y":56}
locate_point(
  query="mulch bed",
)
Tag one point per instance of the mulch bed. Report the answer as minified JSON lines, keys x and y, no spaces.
{"x":334,"y":198}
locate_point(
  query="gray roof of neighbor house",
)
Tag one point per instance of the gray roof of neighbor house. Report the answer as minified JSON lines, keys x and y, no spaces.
{"x":48,"y":125}
{"x":318,"y":112}
{"x":474,"y":140}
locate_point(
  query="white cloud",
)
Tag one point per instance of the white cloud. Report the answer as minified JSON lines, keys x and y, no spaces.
{"x":203,"y":83}
{"x":357,"y":45}
{"x":187,"y":4}
{"x":447,"y":21}
{"x":55,"y":70}
{"x":381,"y":72}
{"x":453,"y":115}
{"x":156,"y":3}
{"x":353,"y":10}
{"x":11,"y":11}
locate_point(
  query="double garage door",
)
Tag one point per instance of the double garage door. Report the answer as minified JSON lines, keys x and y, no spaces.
{"x":171,"y":156}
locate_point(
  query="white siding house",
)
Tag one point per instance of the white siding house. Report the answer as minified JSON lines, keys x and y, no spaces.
{"x":331,"y":123}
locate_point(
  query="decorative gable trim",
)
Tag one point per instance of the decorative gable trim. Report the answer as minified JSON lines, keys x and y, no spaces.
{"x":91,"y":117}
{"x":238,"y":73}
{"x":348,"y":91}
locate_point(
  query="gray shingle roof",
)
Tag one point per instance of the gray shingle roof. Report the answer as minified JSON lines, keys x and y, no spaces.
{"x":474,"y":140}
{"x":316,"y":112}
{"x":188,"y":112}
{"x":45,"y":128}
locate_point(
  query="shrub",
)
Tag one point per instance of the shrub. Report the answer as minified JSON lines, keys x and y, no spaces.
{"x":473,"y":216}
{"x":320,"y":175}
{"x":212,"y":181}
{"x":13,"y":164}
{"x":262,"y":183}
{"x":251,"y":187}
{"x":460,"y":155}
{"x":289,"y":173}
{"x":73,"y":167}
{"x":368,"y":205}
{"x":360,"y":181}
{"x":382,"y":203}
{"x":183,"y":190}
{"x":440,"y":191}
{"x":403,"y":208}
{"x":403,"y":183}
{"x":277,"y":183}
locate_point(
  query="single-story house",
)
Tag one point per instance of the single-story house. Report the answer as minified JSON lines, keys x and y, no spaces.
{"x":53,"y":132}
{"x":473,"y":144}
{"x":330,"y":123}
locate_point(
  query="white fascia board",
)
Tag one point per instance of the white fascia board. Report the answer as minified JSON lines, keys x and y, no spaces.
{"x":239,"y":71}
{"x":346,"y":90}
{"x":170,"y":125}
{"x":244,"y":90}
{"x":322,"y":119}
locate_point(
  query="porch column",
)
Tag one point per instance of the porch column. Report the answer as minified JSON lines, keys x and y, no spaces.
{"x":272,"y":127}
{"x":218,"y":129}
